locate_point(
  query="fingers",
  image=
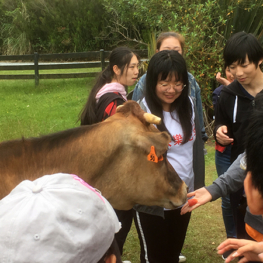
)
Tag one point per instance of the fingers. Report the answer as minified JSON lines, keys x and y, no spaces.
{"x":230,"y":242}
{"x":242,"y":260}
{"x":244,"y":249}
{"x":191,"y":194}
{"x":186,"y":208}
{"x":201,"y":195}
{"x":222,"y":137}
{"x":260,"y":256}
{"x":222,"y":131}
{"x":250,"y":250}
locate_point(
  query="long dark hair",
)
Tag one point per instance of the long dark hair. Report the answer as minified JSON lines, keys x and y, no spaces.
{"x":120,"y":56}
{"x":168,"y":63}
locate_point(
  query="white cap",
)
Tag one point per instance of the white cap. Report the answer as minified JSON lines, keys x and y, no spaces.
{"x":56,"y":218}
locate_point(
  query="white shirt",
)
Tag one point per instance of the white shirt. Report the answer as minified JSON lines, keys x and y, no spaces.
{"x":180,"y":155}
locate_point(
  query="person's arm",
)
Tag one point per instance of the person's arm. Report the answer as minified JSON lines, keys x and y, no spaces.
{"x":196,"y":93}
{"x":249,"y":250}
{"x":231,"y":181}
{"x":223,"y":122}
{"x":138,"y":92}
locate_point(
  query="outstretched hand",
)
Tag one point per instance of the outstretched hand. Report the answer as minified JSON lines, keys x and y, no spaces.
{"x":201,"y":195}
{"x":250,"y":250}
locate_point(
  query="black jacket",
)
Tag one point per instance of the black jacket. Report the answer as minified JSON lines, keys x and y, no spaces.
{"x":233,"y":110}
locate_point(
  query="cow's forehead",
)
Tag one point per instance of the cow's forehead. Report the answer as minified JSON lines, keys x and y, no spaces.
{"x":133,"y":109}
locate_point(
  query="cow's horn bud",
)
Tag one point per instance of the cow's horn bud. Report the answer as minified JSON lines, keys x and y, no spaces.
{"x":119,"y":107}
{"x":150,"y":118}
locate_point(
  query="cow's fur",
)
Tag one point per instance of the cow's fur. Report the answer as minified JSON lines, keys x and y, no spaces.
{"x":111,"y":156}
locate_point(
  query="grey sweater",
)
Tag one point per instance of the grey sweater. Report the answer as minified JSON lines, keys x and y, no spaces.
{"x":229,"y":182}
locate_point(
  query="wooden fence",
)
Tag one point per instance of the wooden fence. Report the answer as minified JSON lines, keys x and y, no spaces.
{"x":91,"y":59}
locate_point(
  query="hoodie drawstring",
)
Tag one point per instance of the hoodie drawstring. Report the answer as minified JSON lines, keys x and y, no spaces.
{"x":235,"y":110}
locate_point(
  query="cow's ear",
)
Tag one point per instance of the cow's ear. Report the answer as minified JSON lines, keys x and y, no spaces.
{"x":159,"y":140}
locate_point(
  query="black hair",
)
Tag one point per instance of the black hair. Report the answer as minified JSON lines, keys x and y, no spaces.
{"x":241,"y":45}
{"x":120,"y":56}
{"x":254,"y":144}
{"x":166,"y":64}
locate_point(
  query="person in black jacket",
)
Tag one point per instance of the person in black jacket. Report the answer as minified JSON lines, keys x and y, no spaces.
{"x":251,"y":250}
{"x":243,"y":54}
{"x":247,"y":169}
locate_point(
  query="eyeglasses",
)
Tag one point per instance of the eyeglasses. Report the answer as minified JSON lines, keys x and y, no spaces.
{"x":177,"y":87}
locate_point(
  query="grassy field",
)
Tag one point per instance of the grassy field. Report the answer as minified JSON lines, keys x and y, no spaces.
{"x":54,"y":105}
{"x":28,"y":111}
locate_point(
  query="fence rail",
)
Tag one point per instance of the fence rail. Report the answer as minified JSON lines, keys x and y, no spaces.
{"x":100,"y":58}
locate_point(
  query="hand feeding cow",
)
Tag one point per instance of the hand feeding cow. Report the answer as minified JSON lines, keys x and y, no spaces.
{"x":121,"y":157}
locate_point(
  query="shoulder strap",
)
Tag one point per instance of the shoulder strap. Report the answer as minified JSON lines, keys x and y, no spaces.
{"x":104,"y":101}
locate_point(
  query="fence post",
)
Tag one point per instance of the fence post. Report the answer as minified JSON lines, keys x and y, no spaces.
{"x":102,"y":59}
{"x":36,"y":55}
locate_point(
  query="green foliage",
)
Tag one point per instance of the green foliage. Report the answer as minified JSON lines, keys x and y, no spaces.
{"x":200,"y":24}
{"x":206,"y":26}
{"x":152,"y":45}
{"x":133,"y":21}
{"x":15,"y":30}
{"x":54,"y":26}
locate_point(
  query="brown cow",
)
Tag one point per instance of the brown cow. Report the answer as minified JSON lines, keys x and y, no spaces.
{"x":111,"y":156}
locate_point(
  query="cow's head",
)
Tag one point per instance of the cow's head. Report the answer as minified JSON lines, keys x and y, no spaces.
{"x":140,"y":168}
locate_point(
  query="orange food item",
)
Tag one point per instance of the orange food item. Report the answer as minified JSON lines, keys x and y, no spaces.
{"x":192,"y":202}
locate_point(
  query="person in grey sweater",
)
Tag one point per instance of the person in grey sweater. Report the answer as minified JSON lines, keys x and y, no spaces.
{"x":231,"y":181}
{"x":246,"y":170}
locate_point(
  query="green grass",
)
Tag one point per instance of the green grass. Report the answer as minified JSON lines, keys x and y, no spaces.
{"x":54,"y":105}
{"x":29,"y":111}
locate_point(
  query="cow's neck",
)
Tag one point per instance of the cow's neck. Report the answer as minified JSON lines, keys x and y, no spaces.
{"x":86,"y":155}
